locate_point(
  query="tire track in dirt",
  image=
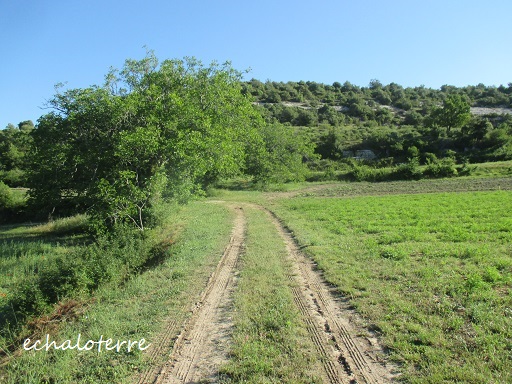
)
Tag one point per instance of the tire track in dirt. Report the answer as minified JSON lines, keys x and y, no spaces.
{"x":347,"y":358}
{"x":164,"y":341}
{"x":203,"y":344}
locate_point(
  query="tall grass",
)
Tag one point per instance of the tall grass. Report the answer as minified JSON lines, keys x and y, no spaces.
{"x":26,"y":252}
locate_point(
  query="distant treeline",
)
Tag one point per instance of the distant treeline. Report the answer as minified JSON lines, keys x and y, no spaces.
{"x":392,"y":94}
{"x":391,"y":120}
{"x":366,"y":102}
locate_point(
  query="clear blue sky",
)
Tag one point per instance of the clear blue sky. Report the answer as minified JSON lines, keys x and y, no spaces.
{"x":429,"y":42}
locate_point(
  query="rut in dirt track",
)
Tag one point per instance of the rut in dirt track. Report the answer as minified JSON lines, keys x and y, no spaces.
{"x":203,"y":344}
{"x":347,"y":358}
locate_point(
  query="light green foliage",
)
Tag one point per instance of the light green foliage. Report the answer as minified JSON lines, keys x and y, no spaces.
{"x":6,"y":198}
{"x":110,"y":150}
{"x":433,"y":272}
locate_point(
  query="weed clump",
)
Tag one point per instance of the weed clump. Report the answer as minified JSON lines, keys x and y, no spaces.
{"x":393,"y":253}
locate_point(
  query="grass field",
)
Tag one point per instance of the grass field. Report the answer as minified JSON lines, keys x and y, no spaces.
{"x":431,"y":272}
{"x":19,"y":244}
{"x":428,"y":265}
{"x":132,"y":310}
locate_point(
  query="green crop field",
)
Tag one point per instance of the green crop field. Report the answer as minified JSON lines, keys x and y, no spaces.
{"x":431,"y":273}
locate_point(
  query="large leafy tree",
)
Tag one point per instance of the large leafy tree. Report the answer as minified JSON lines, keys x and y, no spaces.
{"x":454,"y":113}
{"x":151,"y":129}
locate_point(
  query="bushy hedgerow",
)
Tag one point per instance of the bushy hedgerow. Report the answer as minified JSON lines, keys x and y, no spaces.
{"x":363,"y":172}
{"x":411,"y":170}
{"x":407,"y":171}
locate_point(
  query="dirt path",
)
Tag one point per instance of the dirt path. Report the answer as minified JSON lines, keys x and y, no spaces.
{"x":204,"y":342}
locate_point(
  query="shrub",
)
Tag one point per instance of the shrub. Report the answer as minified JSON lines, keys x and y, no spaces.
{"x":445,"y":167}
{"x":369,"y":173}
{"x":25,"y":300}
{"x":60,"y":279}
{"x":408,"y":171}
{"x":361,"y":173}
{"x":15,"y":177}
{"x":466,"y":169}
{"x":113,"y":258}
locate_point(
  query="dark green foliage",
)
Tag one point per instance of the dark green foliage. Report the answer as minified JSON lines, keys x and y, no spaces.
{"x":418,"y":100}
{"x":15,"y":144}
{"x":112,"y":258}
{"x":413,"y":118}
{"x":436,"y":168}
{"x":329,"y":115}
{"x":330,"y":144}
{"x":306,"y":117}
{"x":431,"y":120}
{"x":477,"y":129}
{"x":408,"y":171}
{"x":280,"y":156}
{"x":27,"y":301}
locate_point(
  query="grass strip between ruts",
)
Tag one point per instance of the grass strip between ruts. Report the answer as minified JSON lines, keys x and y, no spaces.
{"x":270,"y":339}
